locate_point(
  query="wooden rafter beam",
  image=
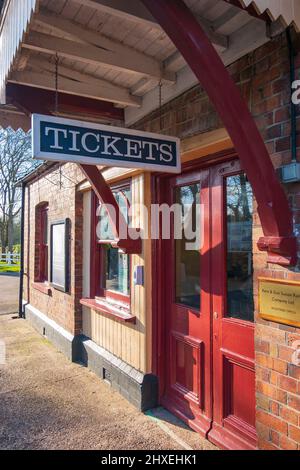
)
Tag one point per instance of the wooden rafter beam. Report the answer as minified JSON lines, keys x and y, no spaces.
{"x":95,"y":50}
{"x":30,"y":99}
{"x":75,"y":83}
{"x":231,"y":18}
{"x":117,"y":52}
{"x":134,"y":10}
{"x":39,"y":64}
{"x":254,"y":35}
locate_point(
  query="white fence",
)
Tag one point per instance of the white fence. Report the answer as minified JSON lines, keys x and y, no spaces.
{"x":10,"y":258}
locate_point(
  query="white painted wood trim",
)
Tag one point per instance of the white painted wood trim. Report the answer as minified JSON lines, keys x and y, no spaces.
{"x":135,"y":11}
{"x":100,"y":90}
{"x":113,"y":53}
{"x":243,"y":41}
{"x":90,"y":54}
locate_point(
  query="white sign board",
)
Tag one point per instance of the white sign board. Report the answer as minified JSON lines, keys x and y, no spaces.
{"x":68,"y":140}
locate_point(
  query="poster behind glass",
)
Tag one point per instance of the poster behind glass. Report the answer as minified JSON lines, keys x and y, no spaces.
{"x":59,"y":255}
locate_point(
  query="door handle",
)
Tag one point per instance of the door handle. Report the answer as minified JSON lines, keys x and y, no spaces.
{"x":216,"y":316}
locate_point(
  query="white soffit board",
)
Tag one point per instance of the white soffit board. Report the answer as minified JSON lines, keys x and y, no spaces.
{"x":244,"y":40}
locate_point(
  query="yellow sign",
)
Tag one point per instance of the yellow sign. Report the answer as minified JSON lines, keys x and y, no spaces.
{"x":279,"y":301}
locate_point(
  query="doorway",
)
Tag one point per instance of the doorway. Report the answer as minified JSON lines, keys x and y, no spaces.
{"x":205,"y":284}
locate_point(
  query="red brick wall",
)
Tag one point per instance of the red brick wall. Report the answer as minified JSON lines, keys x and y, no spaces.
{"x":263,"y":77}
{"x":59,"y":190}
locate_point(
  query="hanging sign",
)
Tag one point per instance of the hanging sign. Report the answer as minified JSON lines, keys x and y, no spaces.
{"x":279,"y":301}
{"x":68,"y":140}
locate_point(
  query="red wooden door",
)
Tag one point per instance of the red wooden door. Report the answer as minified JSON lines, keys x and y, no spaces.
{"x":186,"y":294}
{"x":232,"y":309}
{"x":207,"y":295}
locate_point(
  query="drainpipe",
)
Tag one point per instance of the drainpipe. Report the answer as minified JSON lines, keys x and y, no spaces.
{"x":22,"y":251}
{"x":292,"y":54}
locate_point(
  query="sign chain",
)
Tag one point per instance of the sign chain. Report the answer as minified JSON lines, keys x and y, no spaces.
{"x":56,"y":82}
{"x":160,"y":104}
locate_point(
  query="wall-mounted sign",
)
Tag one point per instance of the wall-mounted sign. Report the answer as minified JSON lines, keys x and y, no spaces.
{"x":59,"y":255}
{"x":279,"y":301}
{"x":67,"y":140}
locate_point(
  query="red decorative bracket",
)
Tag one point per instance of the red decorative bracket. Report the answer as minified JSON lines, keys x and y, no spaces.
{"x":191,"y":41}
{"x":126,"y":244}
{"x":35,"y":100}
{"x":279,"y":249}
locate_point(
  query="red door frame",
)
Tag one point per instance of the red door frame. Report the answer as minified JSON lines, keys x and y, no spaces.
{"x":171,"y":396}
{"x":273,"y":208}
{"x":159,"y":319}
{"x":233,"y":339}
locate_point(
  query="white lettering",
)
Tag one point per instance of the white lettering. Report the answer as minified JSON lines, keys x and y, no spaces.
{"x":111,"y":145}
{"x":166,"y":149}
{"x":133,"y":147}
{"x":151,"y":146}
{"x":56,"y":132}
{"x":84,"y":139}
{"x":74,"y":141}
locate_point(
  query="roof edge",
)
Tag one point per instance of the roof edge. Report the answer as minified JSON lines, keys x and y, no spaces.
{"x":37,"y":172}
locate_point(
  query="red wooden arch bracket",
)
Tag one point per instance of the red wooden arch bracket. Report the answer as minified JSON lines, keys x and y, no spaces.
{"x":123,"y":241}
{"x":119,"y":226}
{"x":273,"y":209}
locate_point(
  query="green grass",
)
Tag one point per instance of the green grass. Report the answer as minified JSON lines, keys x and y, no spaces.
{"x":4,"y":268}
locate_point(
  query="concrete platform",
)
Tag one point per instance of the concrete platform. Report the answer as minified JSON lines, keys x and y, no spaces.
{"x":48,"y":402}
{"x":9,"y":293}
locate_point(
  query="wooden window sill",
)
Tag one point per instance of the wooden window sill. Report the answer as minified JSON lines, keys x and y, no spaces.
{"x":42,"y":287}
{"x":109,"y":310}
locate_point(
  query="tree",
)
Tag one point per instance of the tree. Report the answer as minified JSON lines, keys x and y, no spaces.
{"x":15,"y":162}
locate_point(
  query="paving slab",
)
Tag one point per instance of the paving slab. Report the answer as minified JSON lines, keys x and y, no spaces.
{"x":47,"y":402}
{"x":9,"y":293}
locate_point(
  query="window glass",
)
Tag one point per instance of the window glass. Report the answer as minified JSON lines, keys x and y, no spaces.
{"x":123,"y":198}
{"x":239,"y":202}
{"x":41,"y":253}
{"x":58,"y":255}
{"x":114,"y":266}
{"x":44,"y":223}
{"x":115,"y":271}
{"x":187,"y":262}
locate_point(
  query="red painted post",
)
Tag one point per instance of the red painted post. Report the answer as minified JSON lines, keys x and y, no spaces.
{"x":191,"y":41}
{"x":28,"y":102}
{"x":105,"y":195}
